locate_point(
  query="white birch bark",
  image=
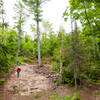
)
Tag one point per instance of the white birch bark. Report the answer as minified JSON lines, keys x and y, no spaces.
{"x":38,"y":44}
{"x":17,"y":50}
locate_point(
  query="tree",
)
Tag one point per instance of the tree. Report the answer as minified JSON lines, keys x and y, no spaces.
{"x":87,"y":11}
{"x":35,"y":7}
{"x":91,"y":31}
{"x":20,"y":18}
{"x":2,"y":18}
{"x":60,"y":40}
{"x":5,"y":26}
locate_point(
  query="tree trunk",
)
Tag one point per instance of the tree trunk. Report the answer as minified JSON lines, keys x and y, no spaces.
{"x":2,"y":30}
{"x":74,"y":43}
{"x":38,"y":44}
{"x":17,"y":50}
{"x":33,"y":52}
{"x":2,"y":22}
{"x":5,"y":35}
{"x":61,"y":65}
{"x":76,"y":60}
{"x":75,"y":76}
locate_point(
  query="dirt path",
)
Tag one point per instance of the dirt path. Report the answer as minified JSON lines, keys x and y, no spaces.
{"x":24,"y":87}
{"x":33,"y":81}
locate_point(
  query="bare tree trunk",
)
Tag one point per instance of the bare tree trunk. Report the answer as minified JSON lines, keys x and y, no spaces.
{"x":17,"y":50}
{"x":38,"y":43}
{"x":61,"y":65}
{"x":2,"y":22}
{"x":20,"y":22}
{"x":75,"y":76}
{"x":2,"y":29}
{"x":74,"y":43}
{"x":76,"y":60}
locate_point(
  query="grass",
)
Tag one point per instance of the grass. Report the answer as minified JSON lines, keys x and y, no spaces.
{"x":2,"y":80}
{"x":54,"y":96}
{"x":37,"y":96}
{"x":60,"y":87}
{"x":21,"y":59}
{"x":76,"y":96}
{"x":55,"y":81}
{"x":67,"y":97}
{"x":54,"y":66}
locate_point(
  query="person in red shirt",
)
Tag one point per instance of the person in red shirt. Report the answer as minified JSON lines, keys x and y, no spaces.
{"x":18,"y":69}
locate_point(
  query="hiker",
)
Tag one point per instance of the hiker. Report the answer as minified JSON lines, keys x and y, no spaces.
{"x":18,"y":69}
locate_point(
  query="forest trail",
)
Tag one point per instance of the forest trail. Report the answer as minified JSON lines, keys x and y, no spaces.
{"x":34,"y":81}
{"x":28,"y":84}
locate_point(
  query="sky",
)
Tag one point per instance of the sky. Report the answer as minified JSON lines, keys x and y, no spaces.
{"x":52,"y":12}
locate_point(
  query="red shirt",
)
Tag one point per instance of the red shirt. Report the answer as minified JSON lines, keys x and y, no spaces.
{"x":18,"y":69}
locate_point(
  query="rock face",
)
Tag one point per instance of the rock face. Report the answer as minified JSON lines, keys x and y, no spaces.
{"x":28,"y":82}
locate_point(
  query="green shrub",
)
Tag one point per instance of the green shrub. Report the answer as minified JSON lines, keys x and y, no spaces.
{"x":67,"y":76}
{"x":94,"y":74}
{"x":60,"y":87}
{"x":20,"y":60}
{"x":4,"y":64}
{"x":27,"y":60}
{"x":55,"y":81}
{"x":55,"y":66}
{"x":76,"y":96}
{"x":98,"y":81}
{"x":83,"y":76}
{"x":37,"y":96}
{"x":2,"y":80}
{"x":54,"y":96}
{"x":67,"y":97}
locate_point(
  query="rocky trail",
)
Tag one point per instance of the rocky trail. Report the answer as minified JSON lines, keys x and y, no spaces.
{"x":28,"y":84}
{"x":37,"y":84}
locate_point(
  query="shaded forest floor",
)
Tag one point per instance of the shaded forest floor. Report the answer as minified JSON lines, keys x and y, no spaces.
{"x":38,"y":84}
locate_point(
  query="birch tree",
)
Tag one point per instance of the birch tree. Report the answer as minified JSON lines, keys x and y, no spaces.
{"x":35,"y":8}
{"x":5,"y":30}
{"x":2,"y":18}
{"x":60,"y":39}
{"x":20,"y":18}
